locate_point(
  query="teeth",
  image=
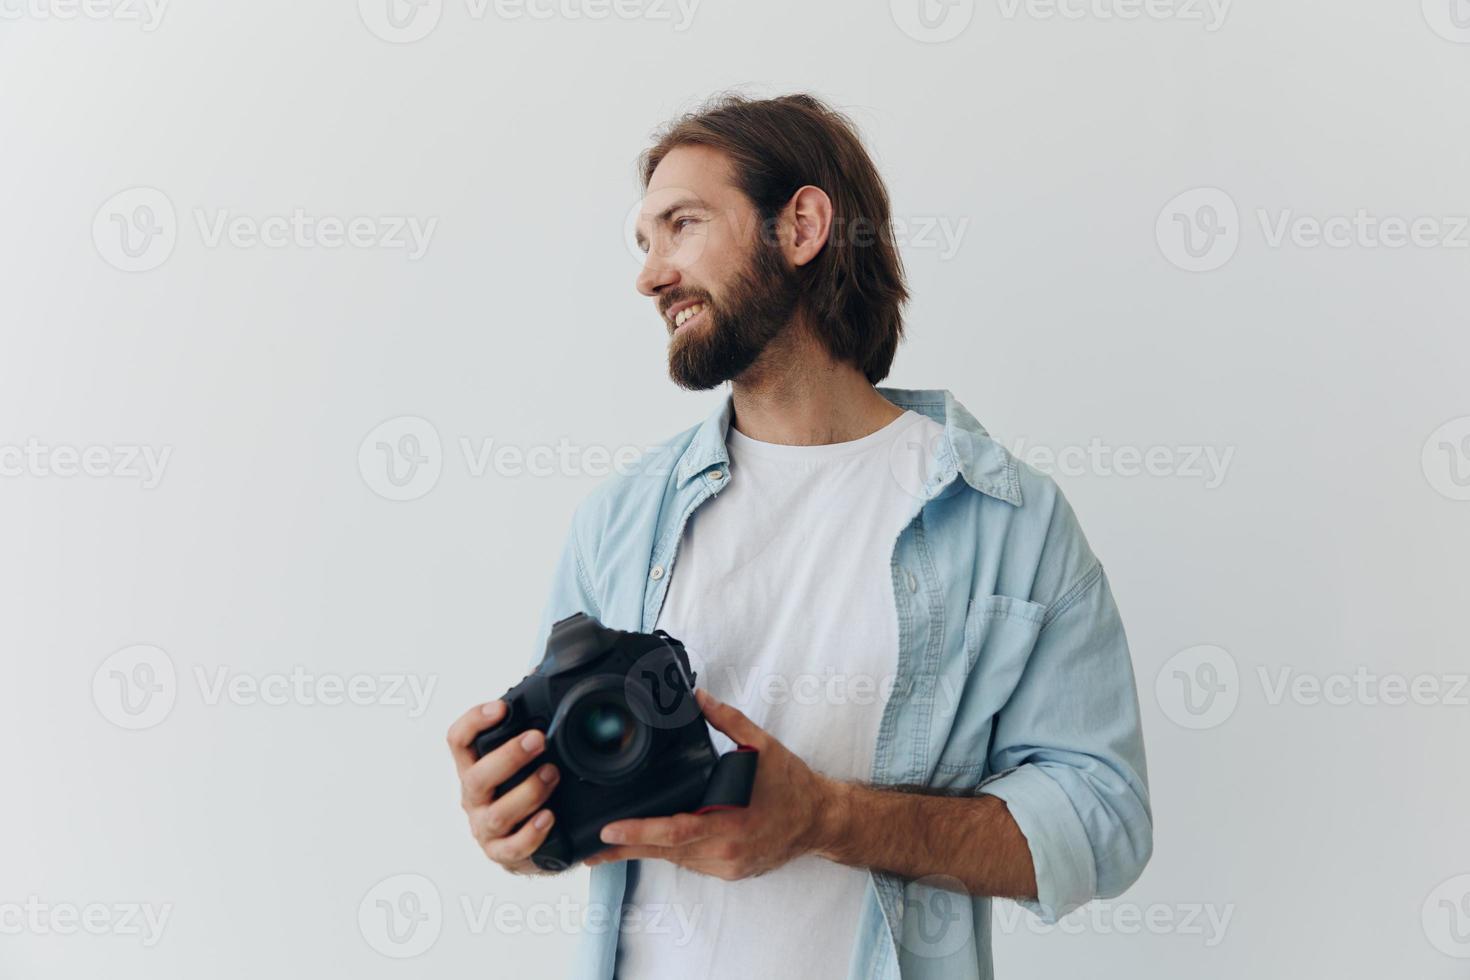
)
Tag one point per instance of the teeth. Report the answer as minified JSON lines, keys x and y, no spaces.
{"x":687,"y":312}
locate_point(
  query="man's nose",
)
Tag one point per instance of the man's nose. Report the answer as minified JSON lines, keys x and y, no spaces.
{"x":656,"y":273}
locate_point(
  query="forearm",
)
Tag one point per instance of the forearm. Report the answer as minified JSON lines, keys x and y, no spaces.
{"x":970,"y":838}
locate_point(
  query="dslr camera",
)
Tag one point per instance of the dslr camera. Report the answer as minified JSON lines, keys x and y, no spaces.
{"x":623,"y":728}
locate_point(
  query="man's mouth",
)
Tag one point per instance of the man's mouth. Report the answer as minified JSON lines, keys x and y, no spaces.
{"x":687,"y":314}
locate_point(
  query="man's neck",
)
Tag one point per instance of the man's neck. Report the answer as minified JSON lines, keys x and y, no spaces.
{"x":797,"y":395}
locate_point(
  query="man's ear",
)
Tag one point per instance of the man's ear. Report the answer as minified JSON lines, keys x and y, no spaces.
{"x":809,"y":213}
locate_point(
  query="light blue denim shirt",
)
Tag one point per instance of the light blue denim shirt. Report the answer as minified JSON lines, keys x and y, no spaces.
{"x":1013,"y":677}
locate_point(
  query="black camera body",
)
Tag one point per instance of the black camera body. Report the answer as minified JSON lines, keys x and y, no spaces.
{"x":624,"y":730}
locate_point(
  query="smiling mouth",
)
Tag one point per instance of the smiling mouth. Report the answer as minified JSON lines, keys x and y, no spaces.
{"x":690,"y":315}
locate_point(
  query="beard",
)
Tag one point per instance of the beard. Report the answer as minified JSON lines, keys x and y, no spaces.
{"x":759,"y":306}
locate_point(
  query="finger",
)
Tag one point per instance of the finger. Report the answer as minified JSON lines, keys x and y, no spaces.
{"x":675,"y":831}
{"x":633,"y":853}
{"x":695,"y":856}
{"x":523,"y":843}
{"x":501,"y":816}
{"x":729,"y":720}
{"x":462,"y":733}
{"x":479,"y":780}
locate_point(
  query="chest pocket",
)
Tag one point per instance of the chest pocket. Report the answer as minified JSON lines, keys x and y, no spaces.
{"x":1000,"y":632}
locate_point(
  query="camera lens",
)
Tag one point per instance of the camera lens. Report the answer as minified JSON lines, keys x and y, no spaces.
{"x":608,"y":728}
{"x":601,"y":736}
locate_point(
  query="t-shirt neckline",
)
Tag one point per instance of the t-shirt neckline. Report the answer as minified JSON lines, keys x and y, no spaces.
{"x":738,"y":443}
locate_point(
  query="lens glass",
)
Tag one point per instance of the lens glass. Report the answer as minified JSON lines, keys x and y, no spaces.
{"x":607,"y":728}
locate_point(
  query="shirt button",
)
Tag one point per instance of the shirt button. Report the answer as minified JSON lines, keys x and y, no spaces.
{"x":657,"y":573}
{"x":913,"y":583}
{"x":717,"y":475}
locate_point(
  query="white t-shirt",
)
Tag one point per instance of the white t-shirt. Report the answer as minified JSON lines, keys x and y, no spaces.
{"x":782,"y":594}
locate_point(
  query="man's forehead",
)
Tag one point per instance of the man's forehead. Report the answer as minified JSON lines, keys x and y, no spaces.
{"x":701,"y":170}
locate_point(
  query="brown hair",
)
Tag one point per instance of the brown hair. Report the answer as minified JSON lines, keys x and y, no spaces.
{"x":854,"y":289}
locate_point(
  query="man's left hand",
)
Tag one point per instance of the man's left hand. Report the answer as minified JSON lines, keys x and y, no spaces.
{"x":791,"y":810}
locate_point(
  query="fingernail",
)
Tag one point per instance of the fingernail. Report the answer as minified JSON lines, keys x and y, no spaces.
{"x":542,"y":820}
{"x":531,"y":741}
{"x":547,"y":773}
{"x":612,"y":835}
{"x":491,"y":709}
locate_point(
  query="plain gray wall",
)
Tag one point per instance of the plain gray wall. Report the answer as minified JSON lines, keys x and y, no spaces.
{"x":1276,"y":603}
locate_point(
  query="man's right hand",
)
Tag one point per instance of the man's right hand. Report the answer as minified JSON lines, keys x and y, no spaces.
{"x":493,"y":819}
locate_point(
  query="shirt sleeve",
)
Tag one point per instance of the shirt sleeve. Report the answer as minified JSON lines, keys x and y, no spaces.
{"x":1067,"y":755}
{"x":571,"y":591}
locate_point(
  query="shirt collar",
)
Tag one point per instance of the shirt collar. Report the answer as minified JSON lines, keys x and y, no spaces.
{"x":967,"y":448}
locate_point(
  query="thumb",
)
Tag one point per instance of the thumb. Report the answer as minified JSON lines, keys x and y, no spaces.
{"x":729,"y":720}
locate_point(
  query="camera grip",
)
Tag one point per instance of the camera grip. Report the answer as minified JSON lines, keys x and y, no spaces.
{"x":731,"y":782}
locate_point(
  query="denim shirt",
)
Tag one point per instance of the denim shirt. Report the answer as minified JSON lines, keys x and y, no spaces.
{"x":1012,"y":679}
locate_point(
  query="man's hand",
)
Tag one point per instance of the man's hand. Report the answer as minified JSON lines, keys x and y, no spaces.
{"x":492,"y":820}
{"x":791,"y":813}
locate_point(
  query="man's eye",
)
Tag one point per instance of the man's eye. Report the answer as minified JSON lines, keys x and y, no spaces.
{"x":679,"y":223}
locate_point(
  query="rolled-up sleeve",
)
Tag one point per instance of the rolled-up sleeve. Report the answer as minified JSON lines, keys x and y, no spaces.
{"x":1068,"y":757}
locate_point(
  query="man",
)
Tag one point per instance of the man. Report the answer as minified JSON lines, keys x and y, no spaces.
{"x":903,"y":619}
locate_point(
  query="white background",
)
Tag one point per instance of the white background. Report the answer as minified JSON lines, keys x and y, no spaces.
{"x":1332,"y":835}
